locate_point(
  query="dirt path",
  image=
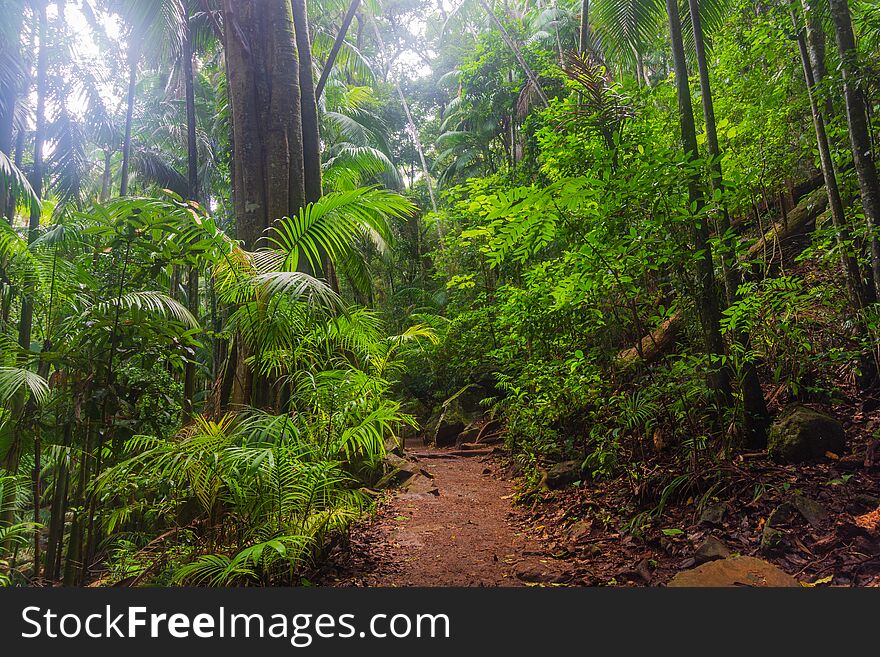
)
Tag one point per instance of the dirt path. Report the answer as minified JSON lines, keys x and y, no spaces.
{"x":470,"y":534}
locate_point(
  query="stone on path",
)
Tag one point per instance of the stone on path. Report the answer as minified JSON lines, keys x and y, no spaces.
{"x":734,"y":571}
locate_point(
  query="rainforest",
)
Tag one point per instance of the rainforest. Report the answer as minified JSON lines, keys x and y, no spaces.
{"x":439,"y":293}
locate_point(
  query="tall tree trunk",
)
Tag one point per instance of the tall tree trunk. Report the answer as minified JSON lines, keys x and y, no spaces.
{"x":192,"y":161}
{"x":859,"y":130}
{"x":9,"y":92}
{"x":25,"y":326}
{"x":584,"y":34}
{"x":414,"y":134}
{"x":58,"y":509}
{"x":536,"y":85}
{"x":311,"y":140}
{"x":311,"y":137}
{"x":835,"y":202}
{"x":754,"y":406}
{"x":263,"y":67}
{"x":816,"y":48}
{"x":707,"y":294}
{"x":106,"y":176}
{"x":133,"y":57}
{"x":337,"y":44}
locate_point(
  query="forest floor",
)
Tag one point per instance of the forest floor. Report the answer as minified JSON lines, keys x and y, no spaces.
{"x":465,"y":532}
{"x":818,"y":522}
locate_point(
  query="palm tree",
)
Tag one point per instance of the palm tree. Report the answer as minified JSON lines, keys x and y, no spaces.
{"x":337,"y":45}
{"x":707,"y":295}
{"x":835,"y":202}
{"x":859,"y":131}
{"x":159,"y":25}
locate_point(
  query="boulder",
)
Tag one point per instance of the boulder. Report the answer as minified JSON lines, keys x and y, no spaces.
{"x":802,"y":434}
{"x":772,"y":535}
{"x":397,"y":471}
{"x":562,"y":474}
{"x":734,"y":571}
{"x":458,"y":413}
{"x":713,"y":514}
{"x":814,"y":512}
{"x":710,"y":550}
{"x":468,"y":434}
{"x":419,"y":484}
{"x":446,"y":433}
{"x":394,"y":445}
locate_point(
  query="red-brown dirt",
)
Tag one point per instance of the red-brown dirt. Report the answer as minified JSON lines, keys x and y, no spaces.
{"x":470,"y":534}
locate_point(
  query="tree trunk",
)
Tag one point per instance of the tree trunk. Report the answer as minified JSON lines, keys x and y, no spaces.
{"x":414,"y":133}
{"x":311,"y":140}
{"x":263,"y":67}
{"x":337,"y":44}
{"x":584,"y":35}
{"x":754,"y":406}
{"x":816,"y":48}
{"x":58,"y":509}
{"x":835,"y":202}
{"x":26,"y":321}
{"x":9,"y":98}
{"x":192,"y":160}
{"x":859,"y":130}
{"x":536,"y":85}
{"x":106,"y":176}
{"x":133,"y":57}
{"x":707,"y":295}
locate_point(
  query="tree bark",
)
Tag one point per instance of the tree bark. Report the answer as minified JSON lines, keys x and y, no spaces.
{"x":754,"y":406}
{"x":859,"y":130}
{"x":707,"y":295}
{"x":192,"y":161}
{"x":816,"y":48}
{"x":835,"y":202}
{"x":584,"y":33}
{"x":337,"y":44}
{"x":133,"y":57}
{"x":269,"y":180}
{"x":8,"y":99}
{"x":516,"y":53}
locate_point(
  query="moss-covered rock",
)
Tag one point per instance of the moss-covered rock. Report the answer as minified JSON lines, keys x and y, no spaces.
{"x":801,"y":434}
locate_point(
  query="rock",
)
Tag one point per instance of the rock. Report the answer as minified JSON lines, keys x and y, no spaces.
{"x":447,"y":432}
{"x":734,"y":571}
{"x":814,"y":512}
{"x":781,"y":515}
{"x":419,"y":484}
{"x":710,"y":550}
{"x":398,"y":471}
{"x":456,"y":415}
{"x":394,"y":445}
{"x":801,"y":434}
{"x":468,"y":434}
{"x":771,"y":538}
{"x":489,"y":433}
{"x":714,"y":514}
{"x":562,"y":474}
{"x":580,"y":530}
{"x":771,"y":535}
